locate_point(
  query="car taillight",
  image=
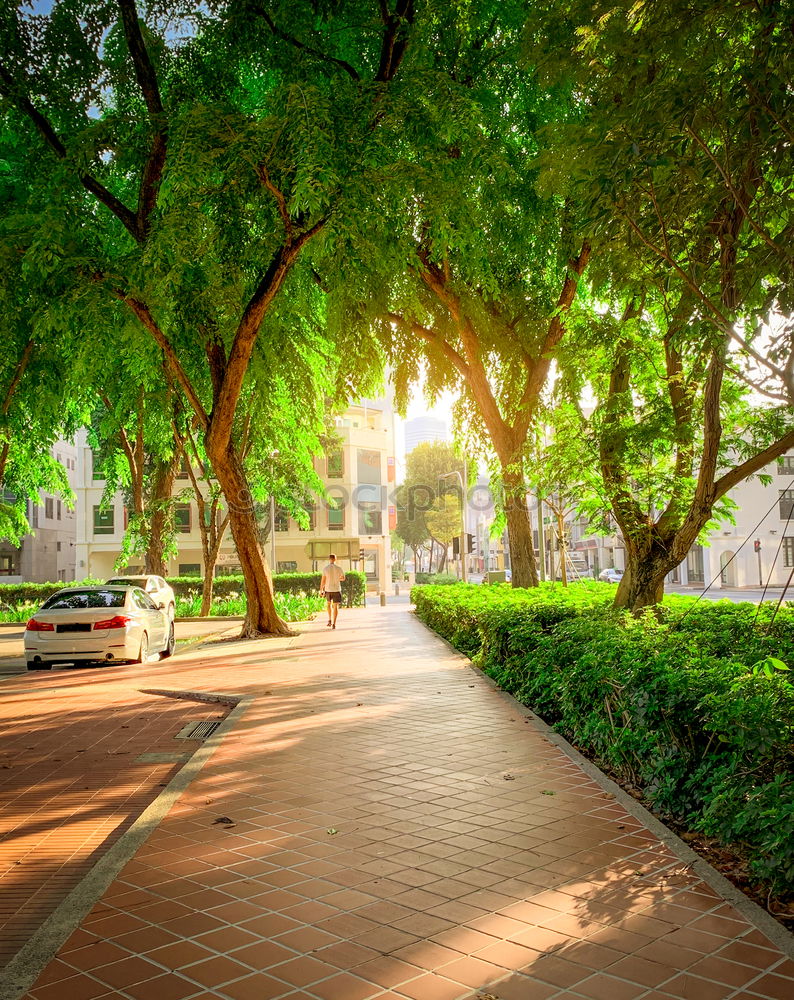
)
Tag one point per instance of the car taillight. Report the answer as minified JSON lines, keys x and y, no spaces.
{"x":34,"y":626}
{"x":119,"y":621}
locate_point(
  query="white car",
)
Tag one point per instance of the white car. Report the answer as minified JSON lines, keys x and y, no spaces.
{"x":611,"y":575}
{"x":155,"y":587}
{"x":97,"y":624}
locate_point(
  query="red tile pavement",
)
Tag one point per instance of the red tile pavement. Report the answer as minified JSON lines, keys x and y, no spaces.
{"x":399,"y":830}
{"x":71,"y":783}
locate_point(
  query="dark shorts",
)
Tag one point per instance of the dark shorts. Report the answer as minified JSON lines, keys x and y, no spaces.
{"x":334,"y":595}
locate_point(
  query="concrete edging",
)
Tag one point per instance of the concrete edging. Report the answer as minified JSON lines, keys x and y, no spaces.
{"x":28,"y":963}
{"x":751,"y":911}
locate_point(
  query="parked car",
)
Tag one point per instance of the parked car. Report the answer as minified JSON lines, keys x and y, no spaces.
{"x":155,"y":587}
{"x":611,"y":575}
{"x":97,"y":624}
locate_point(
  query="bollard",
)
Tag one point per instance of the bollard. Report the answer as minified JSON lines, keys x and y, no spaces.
{"x":396,"y":590}
{"x":382,"y":599}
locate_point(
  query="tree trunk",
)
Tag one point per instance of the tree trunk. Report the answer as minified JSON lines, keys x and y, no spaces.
{"x":261,"y":616}
{"x":642,"y":585}
{"x":160,"y":503}
{"x":206,"y":591}
{"x":519,"y":530}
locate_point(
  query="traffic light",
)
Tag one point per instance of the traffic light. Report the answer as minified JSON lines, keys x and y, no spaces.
{"x":456,"y":547}
{"x":757,"y":545}
{"x":469,"y":542}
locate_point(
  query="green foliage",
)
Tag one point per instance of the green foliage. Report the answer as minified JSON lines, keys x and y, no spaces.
{"x":14,"y":596}
{"x":438,"y":579}
{"x":291,"y":607}
{"x":691,"y":706}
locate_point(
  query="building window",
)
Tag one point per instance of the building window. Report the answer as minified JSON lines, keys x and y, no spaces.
{"x":336,"y":518}
{"x":368,"y":467}
{"x":182,"y":518}
{"x":312,"y":519}
{"x":96,"y":471}
{"x":104,"y":521}
{"x":48,"y":508}
{"x":694,"y":565}
{"x":287,"y":566}
{"x":335,"y":465}
{"x":370,"y":518}
{"x":183,"y":471}
{"x":190,"y":569}
{"x":785,"y":465}
{"x":58,"y":509}
{"x":788,"y":550}
{"x":786,"y":504}
{"x":281,"y":519}
{"x":57,"y":546}
{"x":8,"y":565}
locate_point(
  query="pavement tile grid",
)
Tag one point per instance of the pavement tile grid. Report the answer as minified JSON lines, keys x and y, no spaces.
{"x":397,"y":829}
{"x":69,"y":785}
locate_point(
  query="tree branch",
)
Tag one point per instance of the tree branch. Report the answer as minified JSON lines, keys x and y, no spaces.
{"x":144,"y":315}
{"x":225,"y":401}
{"x":127,"y":218}
{"x":740,"y":472}
{"x":395,"y":38}
{"x":309,"y":49}
{"x":147,"y":81}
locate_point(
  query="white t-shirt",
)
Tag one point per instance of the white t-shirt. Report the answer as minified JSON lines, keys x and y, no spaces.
{"x":333,"y":577}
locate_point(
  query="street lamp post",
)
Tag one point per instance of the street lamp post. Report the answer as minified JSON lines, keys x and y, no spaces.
{"x":462,"y":547}
{"x":273,"y":454}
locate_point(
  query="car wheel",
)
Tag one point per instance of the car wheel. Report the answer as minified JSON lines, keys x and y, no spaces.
{"x":171,"y":644}
{"x":39,"y":665}
{"x":143,"y":652}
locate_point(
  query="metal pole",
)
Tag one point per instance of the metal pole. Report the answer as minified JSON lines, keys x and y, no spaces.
{"x":463,"y":538}
{"x":272,"y":533}
{"x":760,"y":572}
{"x":541,"y":541}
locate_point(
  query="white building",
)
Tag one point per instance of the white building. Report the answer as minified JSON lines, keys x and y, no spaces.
{"x":359,"y":476}
{"x":424,"y":429}
{"x":758,"y":550}
{"x":47,"y":554}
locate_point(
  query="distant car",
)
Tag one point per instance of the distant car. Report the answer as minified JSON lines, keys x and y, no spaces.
{"x":508,"y":576}
{"x":155,"y":587}
{"x":97,"y":624}
{"x":611,"y":575}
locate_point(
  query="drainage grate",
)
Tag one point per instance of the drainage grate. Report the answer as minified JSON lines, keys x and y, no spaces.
{"x":197,"y":730}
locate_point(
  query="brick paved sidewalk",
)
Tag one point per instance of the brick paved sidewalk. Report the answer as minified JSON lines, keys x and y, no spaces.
{"x":394,"y":827}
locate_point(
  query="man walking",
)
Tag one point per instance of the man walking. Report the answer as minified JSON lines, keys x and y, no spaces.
{"x":331,"y":587}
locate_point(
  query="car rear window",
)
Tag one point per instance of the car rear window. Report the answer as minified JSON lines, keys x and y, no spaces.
{"x":86,"y":599}
{"x":128,"y":581}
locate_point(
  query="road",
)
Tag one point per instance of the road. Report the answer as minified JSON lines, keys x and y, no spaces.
{"x":12,"y":656}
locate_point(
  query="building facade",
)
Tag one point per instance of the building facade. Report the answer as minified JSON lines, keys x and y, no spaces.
{"x":756,"y":551}
{"x":426,"y":429}
{"x":354,"y":524}
{"x":48,"y":553}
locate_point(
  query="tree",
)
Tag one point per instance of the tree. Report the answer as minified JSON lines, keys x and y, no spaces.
{"x":444,"y":522}
{"x":684,"y":169}
{"x":411,"y":527}
{"x":474,"y":268}
{"x":184,"y":177}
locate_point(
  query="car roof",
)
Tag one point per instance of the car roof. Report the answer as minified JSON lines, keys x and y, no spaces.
{"x":133,"y":576}
{"x":94,"y":587}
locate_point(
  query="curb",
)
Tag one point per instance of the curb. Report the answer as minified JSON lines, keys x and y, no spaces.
{"x":752,"y":912}
{"x":28,"y":963}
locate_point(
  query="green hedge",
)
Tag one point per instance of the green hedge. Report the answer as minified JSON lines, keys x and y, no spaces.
{"x":436,"y":578}
{"x":691,"y":707}
{"x":354,"y":588}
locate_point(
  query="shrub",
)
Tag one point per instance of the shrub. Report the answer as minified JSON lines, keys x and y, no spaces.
{"x":688,"y":706}
{"x":16,"y":596}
